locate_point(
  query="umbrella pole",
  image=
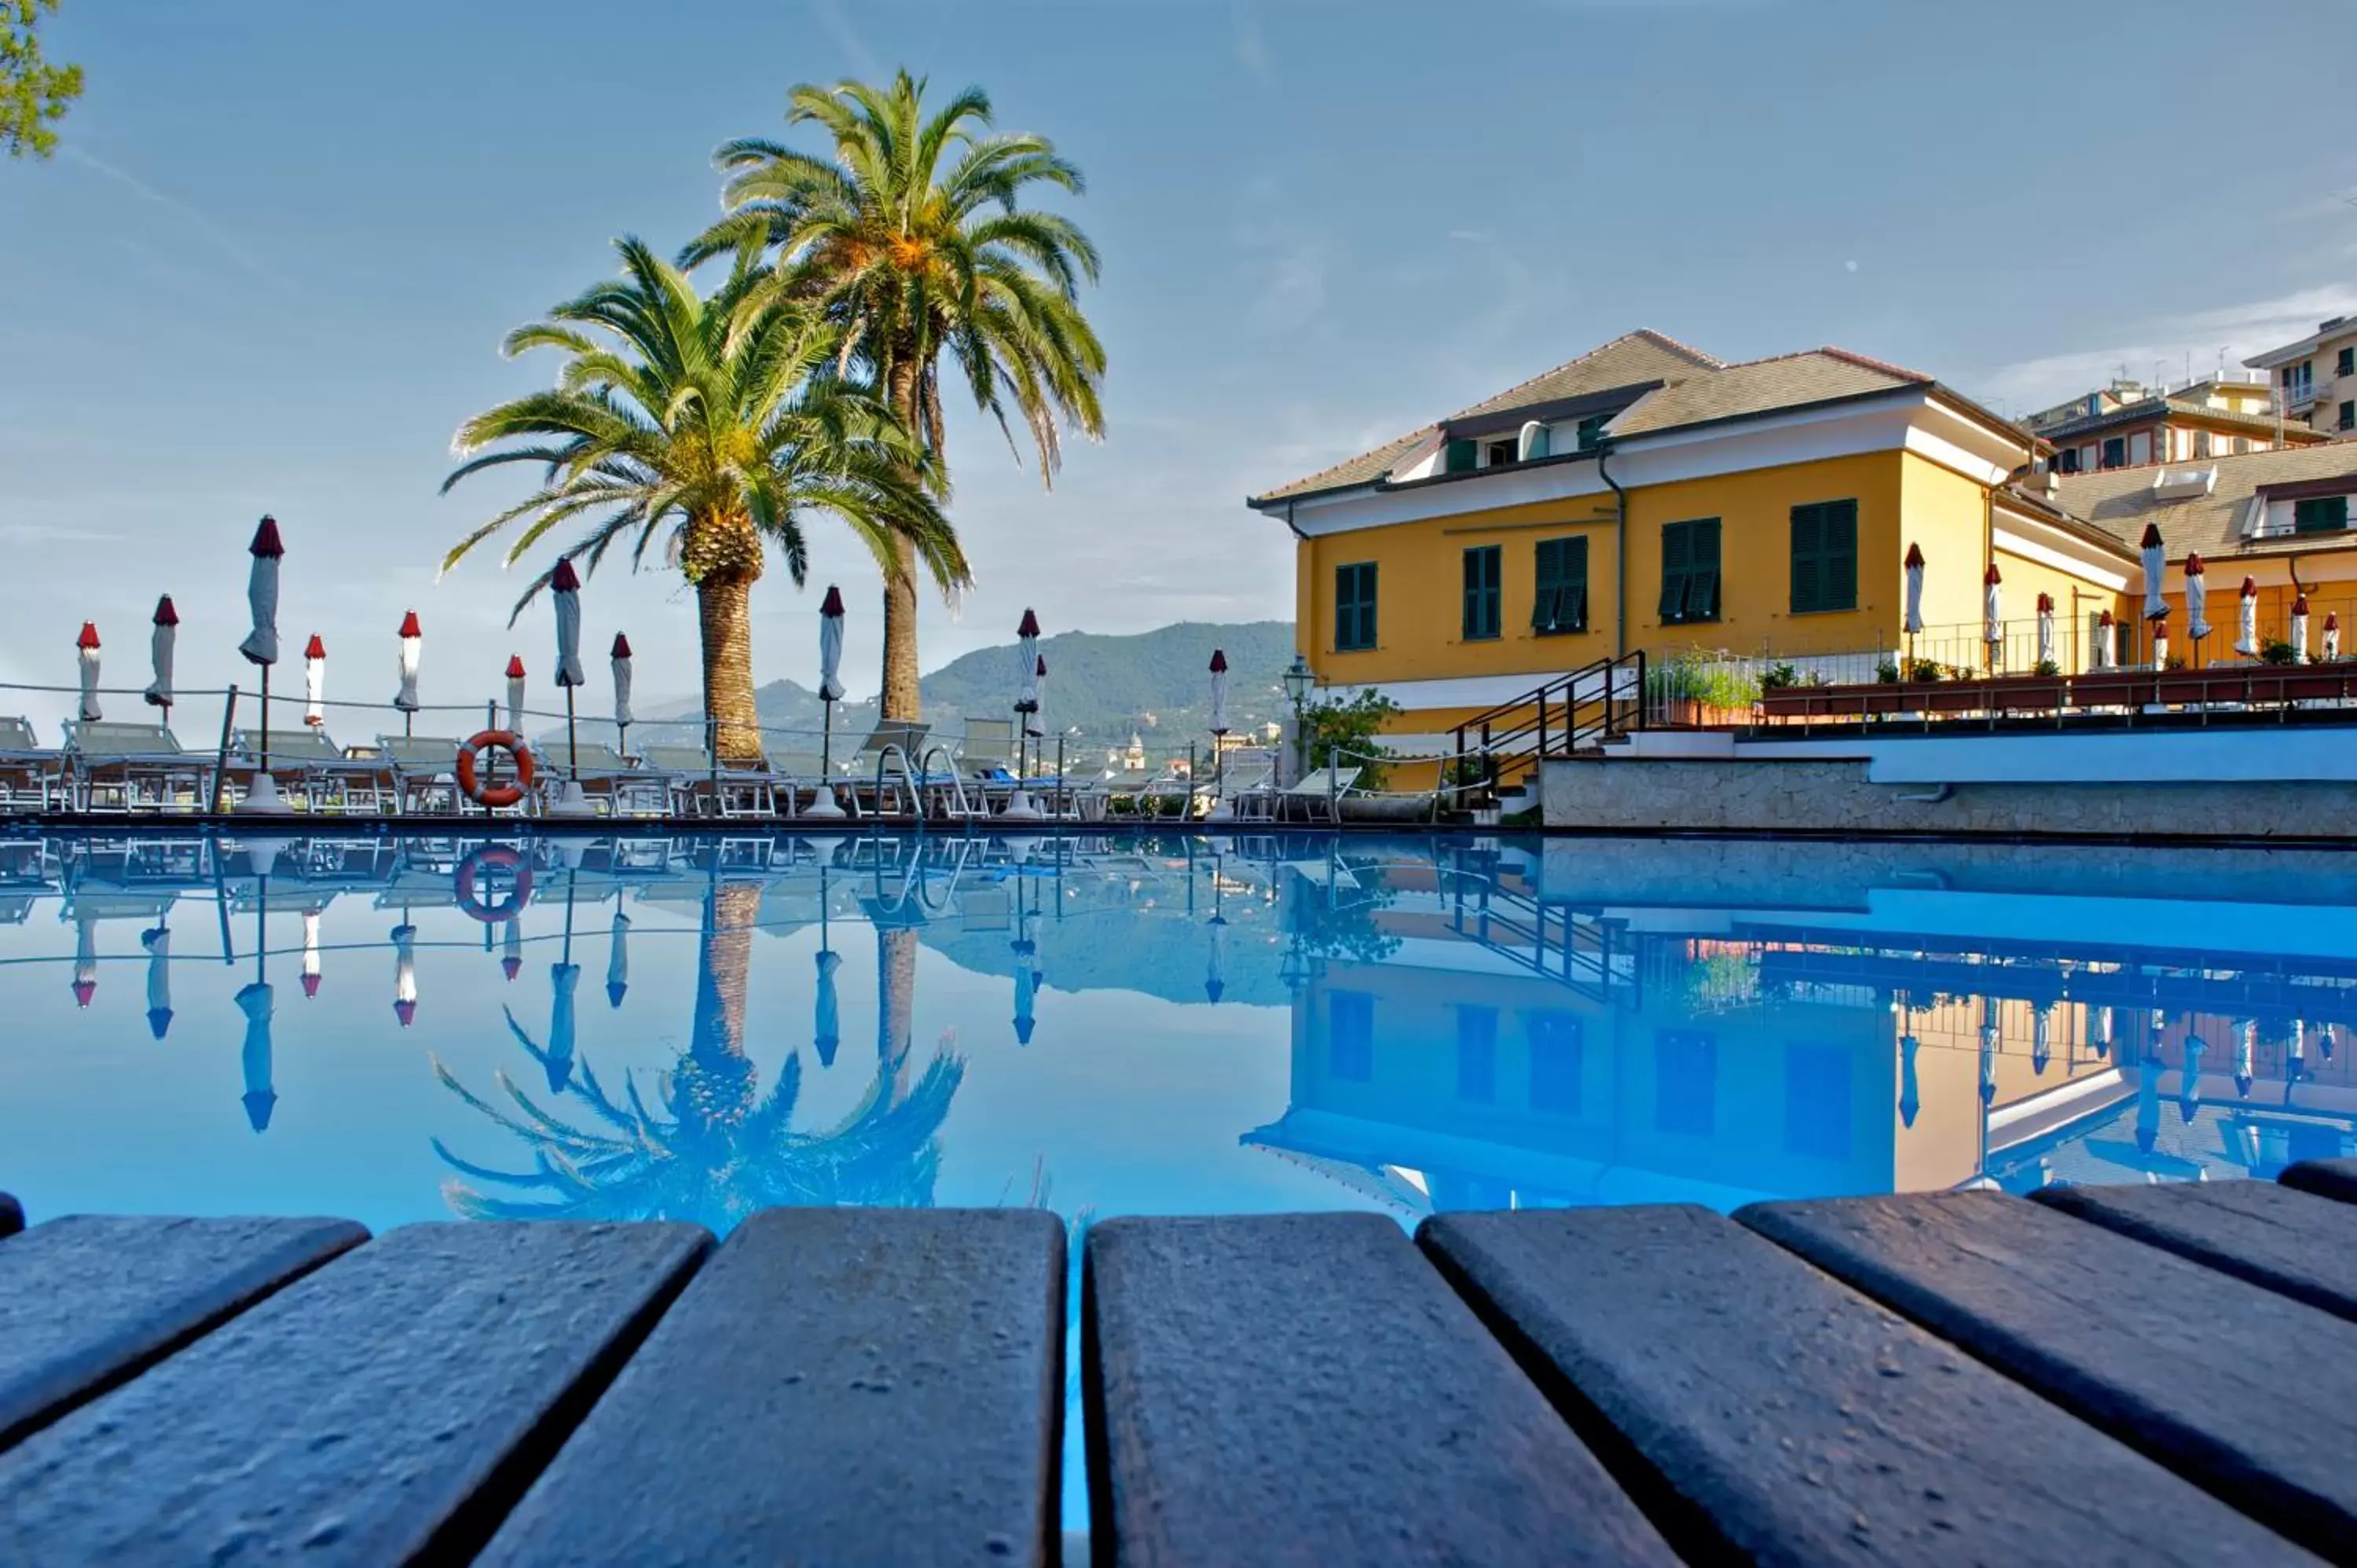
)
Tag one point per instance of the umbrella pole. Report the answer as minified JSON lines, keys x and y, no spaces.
{"x":827,"y":742}
{"x":265,"y":719}
{"x":571,"y":741}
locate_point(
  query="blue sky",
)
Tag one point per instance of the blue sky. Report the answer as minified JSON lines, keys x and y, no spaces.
{"x":269,"y":269}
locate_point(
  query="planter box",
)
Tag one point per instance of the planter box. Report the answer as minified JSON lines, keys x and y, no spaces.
{"x":1692,"y":714}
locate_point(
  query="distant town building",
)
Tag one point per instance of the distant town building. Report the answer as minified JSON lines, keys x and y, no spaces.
{"x":2316,"y":377}
{"x":2130,"y":425}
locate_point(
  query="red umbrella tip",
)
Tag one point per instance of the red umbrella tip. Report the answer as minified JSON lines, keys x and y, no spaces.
{"x":1915,"y":555}
{"x":310,"y":986}
{"x":1219,"y":661}
{"x":409,"y":626}
{"x":2103,"y":619}
{"x":833,"y":603}
{"x":265,"y":539}
{"x":165,"y":614}
{"x":516,"y":666}
{"x":83,"y":990}
{"x":2250,"y":588}
{"x":2193,"y":568}
{"x":1031,"y":627}
{"x":89,"y":638}
{"x":2300,"y":606}
{"x":2332,"y":621}
{"x":565,"y":579}
{"x":511,"y":967}
{"x":406,"y":1011}
{"x":2046,"y":604}
{"x":621,"y":646}
{"x":1992,"y":576}
{"x":315,"y":648}
{"x":2151,"y":540}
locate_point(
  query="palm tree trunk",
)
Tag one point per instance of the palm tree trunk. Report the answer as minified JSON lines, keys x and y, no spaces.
{"x":900,"y":698}
{"x":896,"y":970}
{"x":724,"y":609}
{"x":716,"y":1075}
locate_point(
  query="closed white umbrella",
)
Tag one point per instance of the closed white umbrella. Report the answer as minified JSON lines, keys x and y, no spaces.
{"x":84,"y":985}
{"x":2197,"y":600}
{"x":161,"y":642}
{"x":315,"y":681}
{"x":2103,"y":1032}
{"x":827,"y":1024}
{"x":621,"y":665}
{"x":830,"y":692}
{"x":310,"y":954}
{"x":2160,"y":643}
{"x":2299,"y":629}
{"x":86,"y":658}
{"x":2042,"y":1038}
{"x":2106,"y":642}
{"x":2246,"y":1039}
{"x":1914,"y":621}
{"x":2246,"y":620}
{"x":254,"y":1057}
{"x":512,"y":947}
{"x":1910,"y":1092}
{"x":1219,"y":724}
{"x":1988,"y":1049}
{"x":2331,"y":635}
{"x":2045,"y":629}
{"x":2155,"y":571}
{"x":565,"y":587}
{"x":412,"y":645}
{"x":1215,"y":966}
{"x":2188,"y":1089}
{"x":158,"y":940}
{"x":515,"y":694}
{"x":617,"y":961}
{"x":563,"y":980}
{"x":1220,"y":809}
{"x":405,"y":973}
{"x":1026,"y":705}
{"x":1993,"y":609}
{"x":261,"y":648}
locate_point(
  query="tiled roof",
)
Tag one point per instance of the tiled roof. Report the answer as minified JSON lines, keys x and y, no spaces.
{"x":1626,"y":361}
{"x":2175,"y":408}
{"x":2121,"y":501}
{"x":1689,"y":387}
{"x":1761,"y":386}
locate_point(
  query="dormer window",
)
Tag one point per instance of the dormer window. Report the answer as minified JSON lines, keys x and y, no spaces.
{"x":1498,"y":453}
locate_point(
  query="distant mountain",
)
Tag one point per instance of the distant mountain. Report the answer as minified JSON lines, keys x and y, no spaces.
{"x":1155,"y":684}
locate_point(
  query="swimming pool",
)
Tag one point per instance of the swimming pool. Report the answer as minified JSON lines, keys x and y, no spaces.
{"x":395,"y":1029}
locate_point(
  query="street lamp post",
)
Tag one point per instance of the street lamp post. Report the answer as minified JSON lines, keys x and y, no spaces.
{"x":1298,"y":679}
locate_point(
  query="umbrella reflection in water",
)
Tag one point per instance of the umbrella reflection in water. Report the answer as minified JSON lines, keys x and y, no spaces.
{"x":158,"y":940}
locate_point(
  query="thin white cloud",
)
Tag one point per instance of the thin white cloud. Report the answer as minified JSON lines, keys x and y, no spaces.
{"x":2167,"y":344}
{"x":1250,"y":44}
{"x":837,"y":27}
{"x":213,"y":234}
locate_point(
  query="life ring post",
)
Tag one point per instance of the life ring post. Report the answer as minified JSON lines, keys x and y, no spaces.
{"x":495,"y":797}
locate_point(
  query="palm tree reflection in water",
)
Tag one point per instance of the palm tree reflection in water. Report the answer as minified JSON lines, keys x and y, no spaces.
{"x":713,"y":1149}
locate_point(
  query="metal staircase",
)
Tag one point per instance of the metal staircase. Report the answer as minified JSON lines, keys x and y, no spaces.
{"x":1579,"y":712}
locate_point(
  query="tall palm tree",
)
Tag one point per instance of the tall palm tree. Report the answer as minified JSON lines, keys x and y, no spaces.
{"x":913,"y":240}
{"x":712,"y":425}
{"x":712,"y":1148}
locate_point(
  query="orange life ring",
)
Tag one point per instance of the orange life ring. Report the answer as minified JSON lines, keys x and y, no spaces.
{"x":488,"y":857}
{"x":500,"y":794}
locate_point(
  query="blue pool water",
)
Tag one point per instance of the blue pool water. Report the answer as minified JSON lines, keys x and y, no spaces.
{"x":698,"y":1028}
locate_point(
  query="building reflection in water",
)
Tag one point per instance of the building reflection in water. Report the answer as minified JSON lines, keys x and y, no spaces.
{"x":1471,"y":1032}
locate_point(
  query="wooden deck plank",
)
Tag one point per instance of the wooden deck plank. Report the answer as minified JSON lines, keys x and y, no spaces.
{"x":12,"y":1215}
{"x":387,"y":1407}
{"x":2288,"y":1241}
{"x":89,"y":1301}
{"x":2247,"y":1392}
{"x":2335,"y":1179}
{"x":1764,"y":1411}
{"x":872,"y":1386}
{"x":1295,"y":1389}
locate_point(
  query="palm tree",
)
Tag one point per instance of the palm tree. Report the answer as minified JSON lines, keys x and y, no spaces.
{"x":912,"y":240}
{"x":712,"y":1148}
{"x":712,"y":425}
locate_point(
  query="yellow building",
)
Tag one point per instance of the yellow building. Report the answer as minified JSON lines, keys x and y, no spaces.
{"x":1648,"y":495}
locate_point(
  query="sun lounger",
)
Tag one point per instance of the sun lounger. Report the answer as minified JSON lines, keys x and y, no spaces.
{"x":425,"y":772}
{"x":1321,"y":790}
{"x":130,"y":766}
{"x":312,"y":769}
{"x":698,"y":787}
{"x":613,"y":784}
{"x":32,"y":775}
{"x":883,"y":772}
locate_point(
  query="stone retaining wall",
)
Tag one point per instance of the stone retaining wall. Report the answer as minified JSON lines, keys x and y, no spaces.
{"x":1835,"y":796}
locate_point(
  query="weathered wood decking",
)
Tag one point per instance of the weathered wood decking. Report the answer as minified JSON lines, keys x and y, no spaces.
{"x":2160,"y":1375}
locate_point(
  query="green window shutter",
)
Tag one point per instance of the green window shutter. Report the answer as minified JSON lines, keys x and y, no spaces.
{"x":1562,"y":601}
{"x":1483,"y":570}
{"x":1591,"y":431}
{"x":2324,"y":514}
{"x":1702,"y":586}
{"x":1458,"y":457}
{"x":1547,"y":574}
{"x":1808,"y":559}
{"x":1676,"y":550}
{"x":1841,"y":555}
{"x":2347,"y":364}
{"x":1354,"y":606}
